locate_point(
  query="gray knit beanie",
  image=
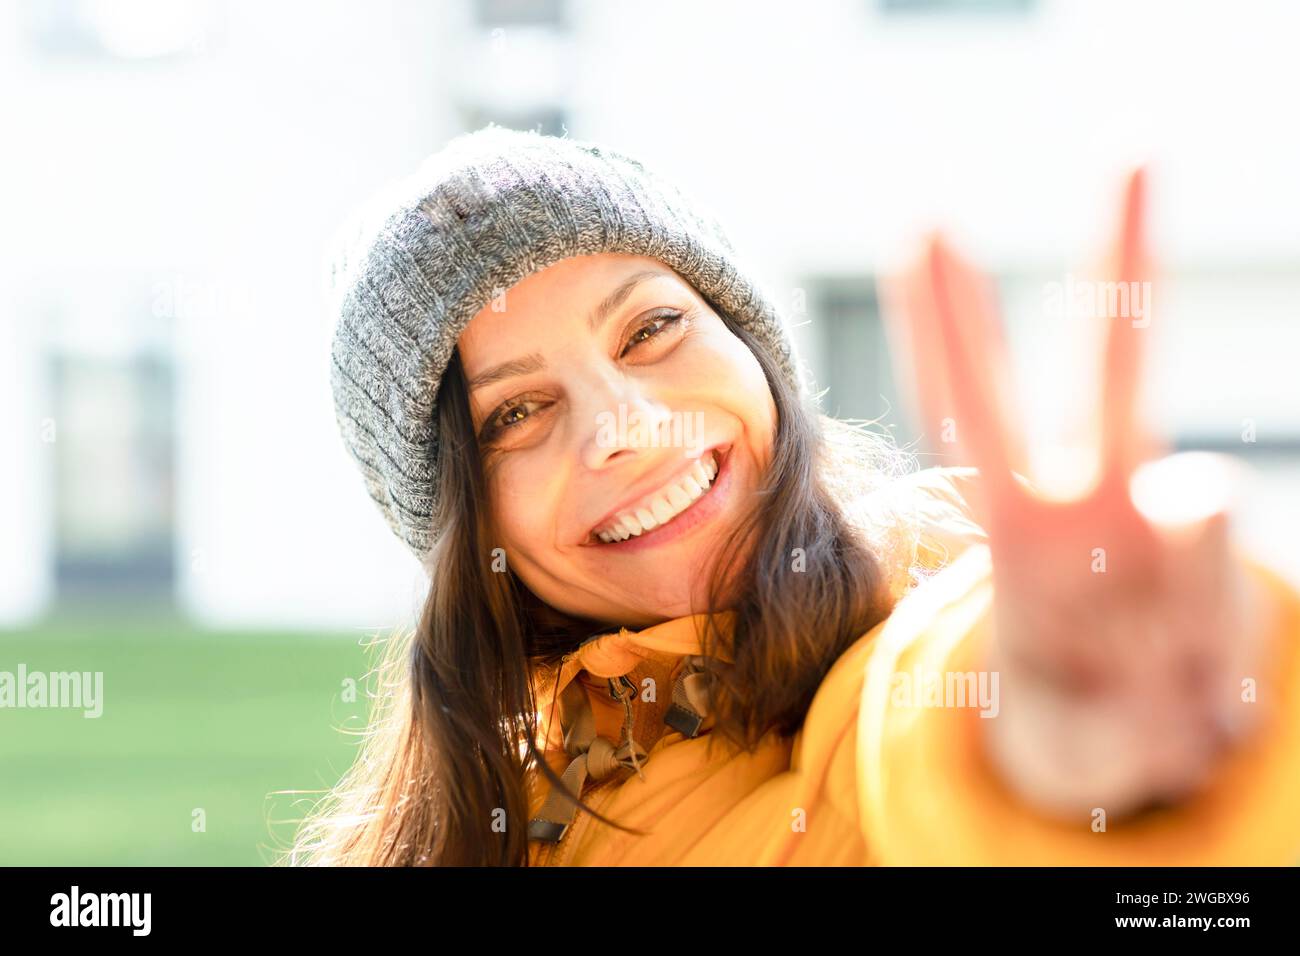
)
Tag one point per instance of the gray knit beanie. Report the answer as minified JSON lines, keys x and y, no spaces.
{"x":484,"y":212}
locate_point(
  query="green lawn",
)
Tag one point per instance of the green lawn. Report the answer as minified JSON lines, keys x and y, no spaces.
{"x":191,"y":720}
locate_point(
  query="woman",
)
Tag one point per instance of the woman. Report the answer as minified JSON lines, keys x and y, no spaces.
{"x":677,"y":616}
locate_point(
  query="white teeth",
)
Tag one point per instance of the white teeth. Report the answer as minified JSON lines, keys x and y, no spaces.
{"x":678,"y":498}
{"x":666,"y":504}
{"x":662,"y":510}
{"x":701,"y":474}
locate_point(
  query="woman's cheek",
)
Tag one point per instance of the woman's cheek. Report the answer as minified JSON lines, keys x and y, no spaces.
{"x":745,"y":392}
{"x":739,"y":382}
{"x":707,"y":365}
{"x":530,"y":494}
{"x":507,"y":491}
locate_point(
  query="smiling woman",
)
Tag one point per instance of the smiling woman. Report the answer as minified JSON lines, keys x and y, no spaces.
{"x":554,"y":477}
{"x":694,"y":640}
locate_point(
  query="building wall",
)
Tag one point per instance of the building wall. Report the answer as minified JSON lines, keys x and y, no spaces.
{"x":203,"y":187}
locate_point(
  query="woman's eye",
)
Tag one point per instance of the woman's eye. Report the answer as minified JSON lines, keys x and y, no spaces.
{"x":505,"y":418}
{"x":650,"y":329}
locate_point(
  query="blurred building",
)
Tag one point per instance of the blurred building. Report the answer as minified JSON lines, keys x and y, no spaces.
{"x":175,"y":169}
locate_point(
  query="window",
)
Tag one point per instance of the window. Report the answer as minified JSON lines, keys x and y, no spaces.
{"x":852,"y":360}
{"x":549,"y":121}
{"x":504,"y":13}
{"x":114,"y":474}
{"x":134,"y":30}
{"x":957,"y":6}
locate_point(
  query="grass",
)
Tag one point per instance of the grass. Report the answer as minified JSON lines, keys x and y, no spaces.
{"x":192,"y":721}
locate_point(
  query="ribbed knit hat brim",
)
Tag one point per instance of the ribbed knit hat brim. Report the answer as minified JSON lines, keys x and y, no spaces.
{"x":490,"y":208}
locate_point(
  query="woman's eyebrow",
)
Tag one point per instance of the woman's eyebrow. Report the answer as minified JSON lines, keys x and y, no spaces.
{"x":616,"y":298}
{"x":535,"y":362}
{"x":515,"y":367}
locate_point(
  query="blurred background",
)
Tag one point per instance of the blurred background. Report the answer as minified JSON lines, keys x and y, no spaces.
{"x":176,"y":508}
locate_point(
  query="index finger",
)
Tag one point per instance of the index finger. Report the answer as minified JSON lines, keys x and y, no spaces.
{"x":1123,"y":441}
{"x":960,"y":361}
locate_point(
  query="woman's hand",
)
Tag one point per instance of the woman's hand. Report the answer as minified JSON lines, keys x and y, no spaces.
{"x":1121,"y":618}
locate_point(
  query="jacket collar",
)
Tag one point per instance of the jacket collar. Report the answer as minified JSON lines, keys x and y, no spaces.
{"x":616,"y":653}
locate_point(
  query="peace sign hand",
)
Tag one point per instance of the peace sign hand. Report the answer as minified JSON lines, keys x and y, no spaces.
{"x":1122,"y":635}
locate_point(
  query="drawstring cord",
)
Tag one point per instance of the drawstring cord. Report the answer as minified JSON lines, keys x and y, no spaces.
{"x":625,"y":738}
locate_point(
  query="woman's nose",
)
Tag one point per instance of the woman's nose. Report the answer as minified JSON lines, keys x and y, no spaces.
{"x":624,"y":420}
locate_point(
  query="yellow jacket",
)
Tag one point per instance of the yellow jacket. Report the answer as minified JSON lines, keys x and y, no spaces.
{"x":864,"y":782}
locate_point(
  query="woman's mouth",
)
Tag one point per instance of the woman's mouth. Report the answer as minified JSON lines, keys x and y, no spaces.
{"x":683,"y":502}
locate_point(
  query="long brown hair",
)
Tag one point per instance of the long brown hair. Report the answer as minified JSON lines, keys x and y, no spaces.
{"x":444,"y":759}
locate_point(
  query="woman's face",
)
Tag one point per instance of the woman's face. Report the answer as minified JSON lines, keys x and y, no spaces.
{"x":624,"y":429}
